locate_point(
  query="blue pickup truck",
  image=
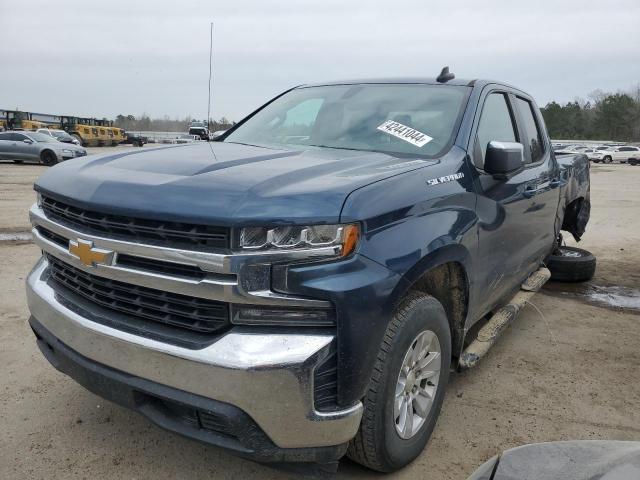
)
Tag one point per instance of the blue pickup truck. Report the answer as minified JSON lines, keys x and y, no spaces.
{"x":300,"y":288}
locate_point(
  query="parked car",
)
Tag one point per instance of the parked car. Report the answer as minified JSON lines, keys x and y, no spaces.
{"x":590,"y":152}
{"x":299,"y":289}
{"x":59,"y":135}
{"x":200,"y":129}
{"x":620,"y":154}
{"x":23,"y":146}
{"x":186,"y":138}
{"x":135,"y":139}
{"x":571,"y":149}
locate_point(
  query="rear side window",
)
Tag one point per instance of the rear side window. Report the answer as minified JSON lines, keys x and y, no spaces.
{"x":496,"y":124}
{"x":533,"y":140}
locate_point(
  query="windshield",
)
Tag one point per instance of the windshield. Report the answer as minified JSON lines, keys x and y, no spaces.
{"x":61,"y":134}
{"x":395,"y":118}
{"x":41,"y":137}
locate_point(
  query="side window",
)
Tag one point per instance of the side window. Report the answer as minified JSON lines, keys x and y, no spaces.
{"x":495,"y":124}
{"x":626,"y":149}
{"x":18,"y":137}
{"x":5,"y":136}
{"x":533,"y":140}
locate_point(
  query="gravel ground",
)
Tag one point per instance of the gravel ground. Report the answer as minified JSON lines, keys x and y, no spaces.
{"x":564,"y":370}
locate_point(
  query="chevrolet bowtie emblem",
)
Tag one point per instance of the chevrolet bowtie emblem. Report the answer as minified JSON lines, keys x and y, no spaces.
{"x":84,"y":250}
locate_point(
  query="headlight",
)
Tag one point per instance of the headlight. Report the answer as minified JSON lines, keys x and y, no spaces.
{"x":66,"y":150}
{"x":344,"y":237}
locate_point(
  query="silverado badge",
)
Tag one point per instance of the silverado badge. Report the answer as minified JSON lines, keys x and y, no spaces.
{"x":87,"y":254}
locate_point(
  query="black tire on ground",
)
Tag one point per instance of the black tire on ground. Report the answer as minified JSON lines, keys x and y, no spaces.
{"x":377,"y":444}
{"x":606,"y":159}
{"x":48,"y":158}
{"x":571,"y":264}
{"x":634,"y":161}
{"x":79,"y":138}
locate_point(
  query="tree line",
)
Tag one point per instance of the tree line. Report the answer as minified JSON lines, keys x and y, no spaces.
{"x":144,"y":123}
{"x":605,"y":116}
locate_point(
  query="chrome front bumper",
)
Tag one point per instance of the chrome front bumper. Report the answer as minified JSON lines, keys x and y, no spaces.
{"x":268,"y":376}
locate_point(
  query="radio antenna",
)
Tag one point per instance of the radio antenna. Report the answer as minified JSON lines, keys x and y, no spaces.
{"x":210,"y":62}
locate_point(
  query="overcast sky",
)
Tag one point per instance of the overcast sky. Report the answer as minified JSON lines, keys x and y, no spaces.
{"x":110,"y":57}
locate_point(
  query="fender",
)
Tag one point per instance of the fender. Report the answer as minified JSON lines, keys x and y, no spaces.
{"x":409,"y":225}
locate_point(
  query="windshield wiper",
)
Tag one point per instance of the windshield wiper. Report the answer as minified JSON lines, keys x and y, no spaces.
{"x":252,"y":145}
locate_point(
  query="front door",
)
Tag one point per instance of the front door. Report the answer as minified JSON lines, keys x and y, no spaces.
{"x":517,"y":215}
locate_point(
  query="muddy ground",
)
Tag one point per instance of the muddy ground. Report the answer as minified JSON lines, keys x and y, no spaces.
{"x":565,"y":370}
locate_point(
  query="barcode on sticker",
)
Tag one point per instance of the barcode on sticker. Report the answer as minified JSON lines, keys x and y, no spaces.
{"x":405,"y":133}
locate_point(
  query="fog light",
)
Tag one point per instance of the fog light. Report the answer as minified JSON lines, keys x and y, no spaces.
{"x":286,"y":317}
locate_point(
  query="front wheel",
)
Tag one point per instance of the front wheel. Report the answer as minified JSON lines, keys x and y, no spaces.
{"x":407,"y":387}
{"x":48,"y":158}
{"x":606,"y":159}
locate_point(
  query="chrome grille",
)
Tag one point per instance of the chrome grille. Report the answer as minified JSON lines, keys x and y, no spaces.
{"x":190,"y":313}
{"x":173,"y":234}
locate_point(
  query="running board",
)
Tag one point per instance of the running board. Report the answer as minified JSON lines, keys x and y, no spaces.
{"x":491,"y":331}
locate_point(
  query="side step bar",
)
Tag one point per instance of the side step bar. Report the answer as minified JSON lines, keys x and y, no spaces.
{"x":491,"y":331}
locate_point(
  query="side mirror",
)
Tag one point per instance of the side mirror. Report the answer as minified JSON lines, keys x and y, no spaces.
{"x":216,"y":134}
{"x":27,"y":141}
{"x":503,"y":158}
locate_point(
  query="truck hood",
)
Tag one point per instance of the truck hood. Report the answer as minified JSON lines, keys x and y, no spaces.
{"x":222,"y":183}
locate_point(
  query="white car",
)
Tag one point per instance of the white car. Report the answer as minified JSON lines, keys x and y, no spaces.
{"x":621,"y":154}
{"x":59,"y":135}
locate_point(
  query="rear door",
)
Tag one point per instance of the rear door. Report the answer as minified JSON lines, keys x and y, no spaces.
{"x":10,"y":147}
{"x":5,"y":139}
{"x":517,"y":215}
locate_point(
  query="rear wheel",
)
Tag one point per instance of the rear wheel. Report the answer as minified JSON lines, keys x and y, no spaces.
{"x":48,"y":158}
{"x":406,"y":390}
{"x":571,"y":264}
{"x":606,"y":159}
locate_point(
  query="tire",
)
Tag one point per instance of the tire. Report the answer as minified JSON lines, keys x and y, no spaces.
{"x":378,"y":444}
{"x":79,"y":138}
{"x":634,"y":161}
{"x":571,"y":264}
{"x":606,"y":159}
{"x":48,"y":158}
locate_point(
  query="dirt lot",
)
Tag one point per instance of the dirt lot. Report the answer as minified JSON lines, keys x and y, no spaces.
{"x":567,"y":371}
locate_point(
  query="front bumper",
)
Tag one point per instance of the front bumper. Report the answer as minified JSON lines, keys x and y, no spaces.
{"x":73,"y":154}
{"x":268,"y":377}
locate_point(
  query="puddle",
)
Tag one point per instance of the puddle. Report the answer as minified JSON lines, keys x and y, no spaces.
{"x":614,"y":297}
{"x":17,"y":237}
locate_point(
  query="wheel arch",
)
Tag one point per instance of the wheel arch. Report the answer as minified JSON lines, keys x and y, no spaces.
{"x":445,"y":274}
{"x":45,"y":151}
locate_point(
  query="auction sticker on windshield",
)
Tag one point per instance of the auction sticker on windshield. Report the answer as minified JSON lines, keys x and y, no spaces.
{"x":405,"y":133}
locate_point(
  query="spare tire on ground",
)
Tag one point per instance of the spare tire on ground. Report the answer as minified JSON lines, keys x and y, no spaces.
{"x":571,"y":264}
